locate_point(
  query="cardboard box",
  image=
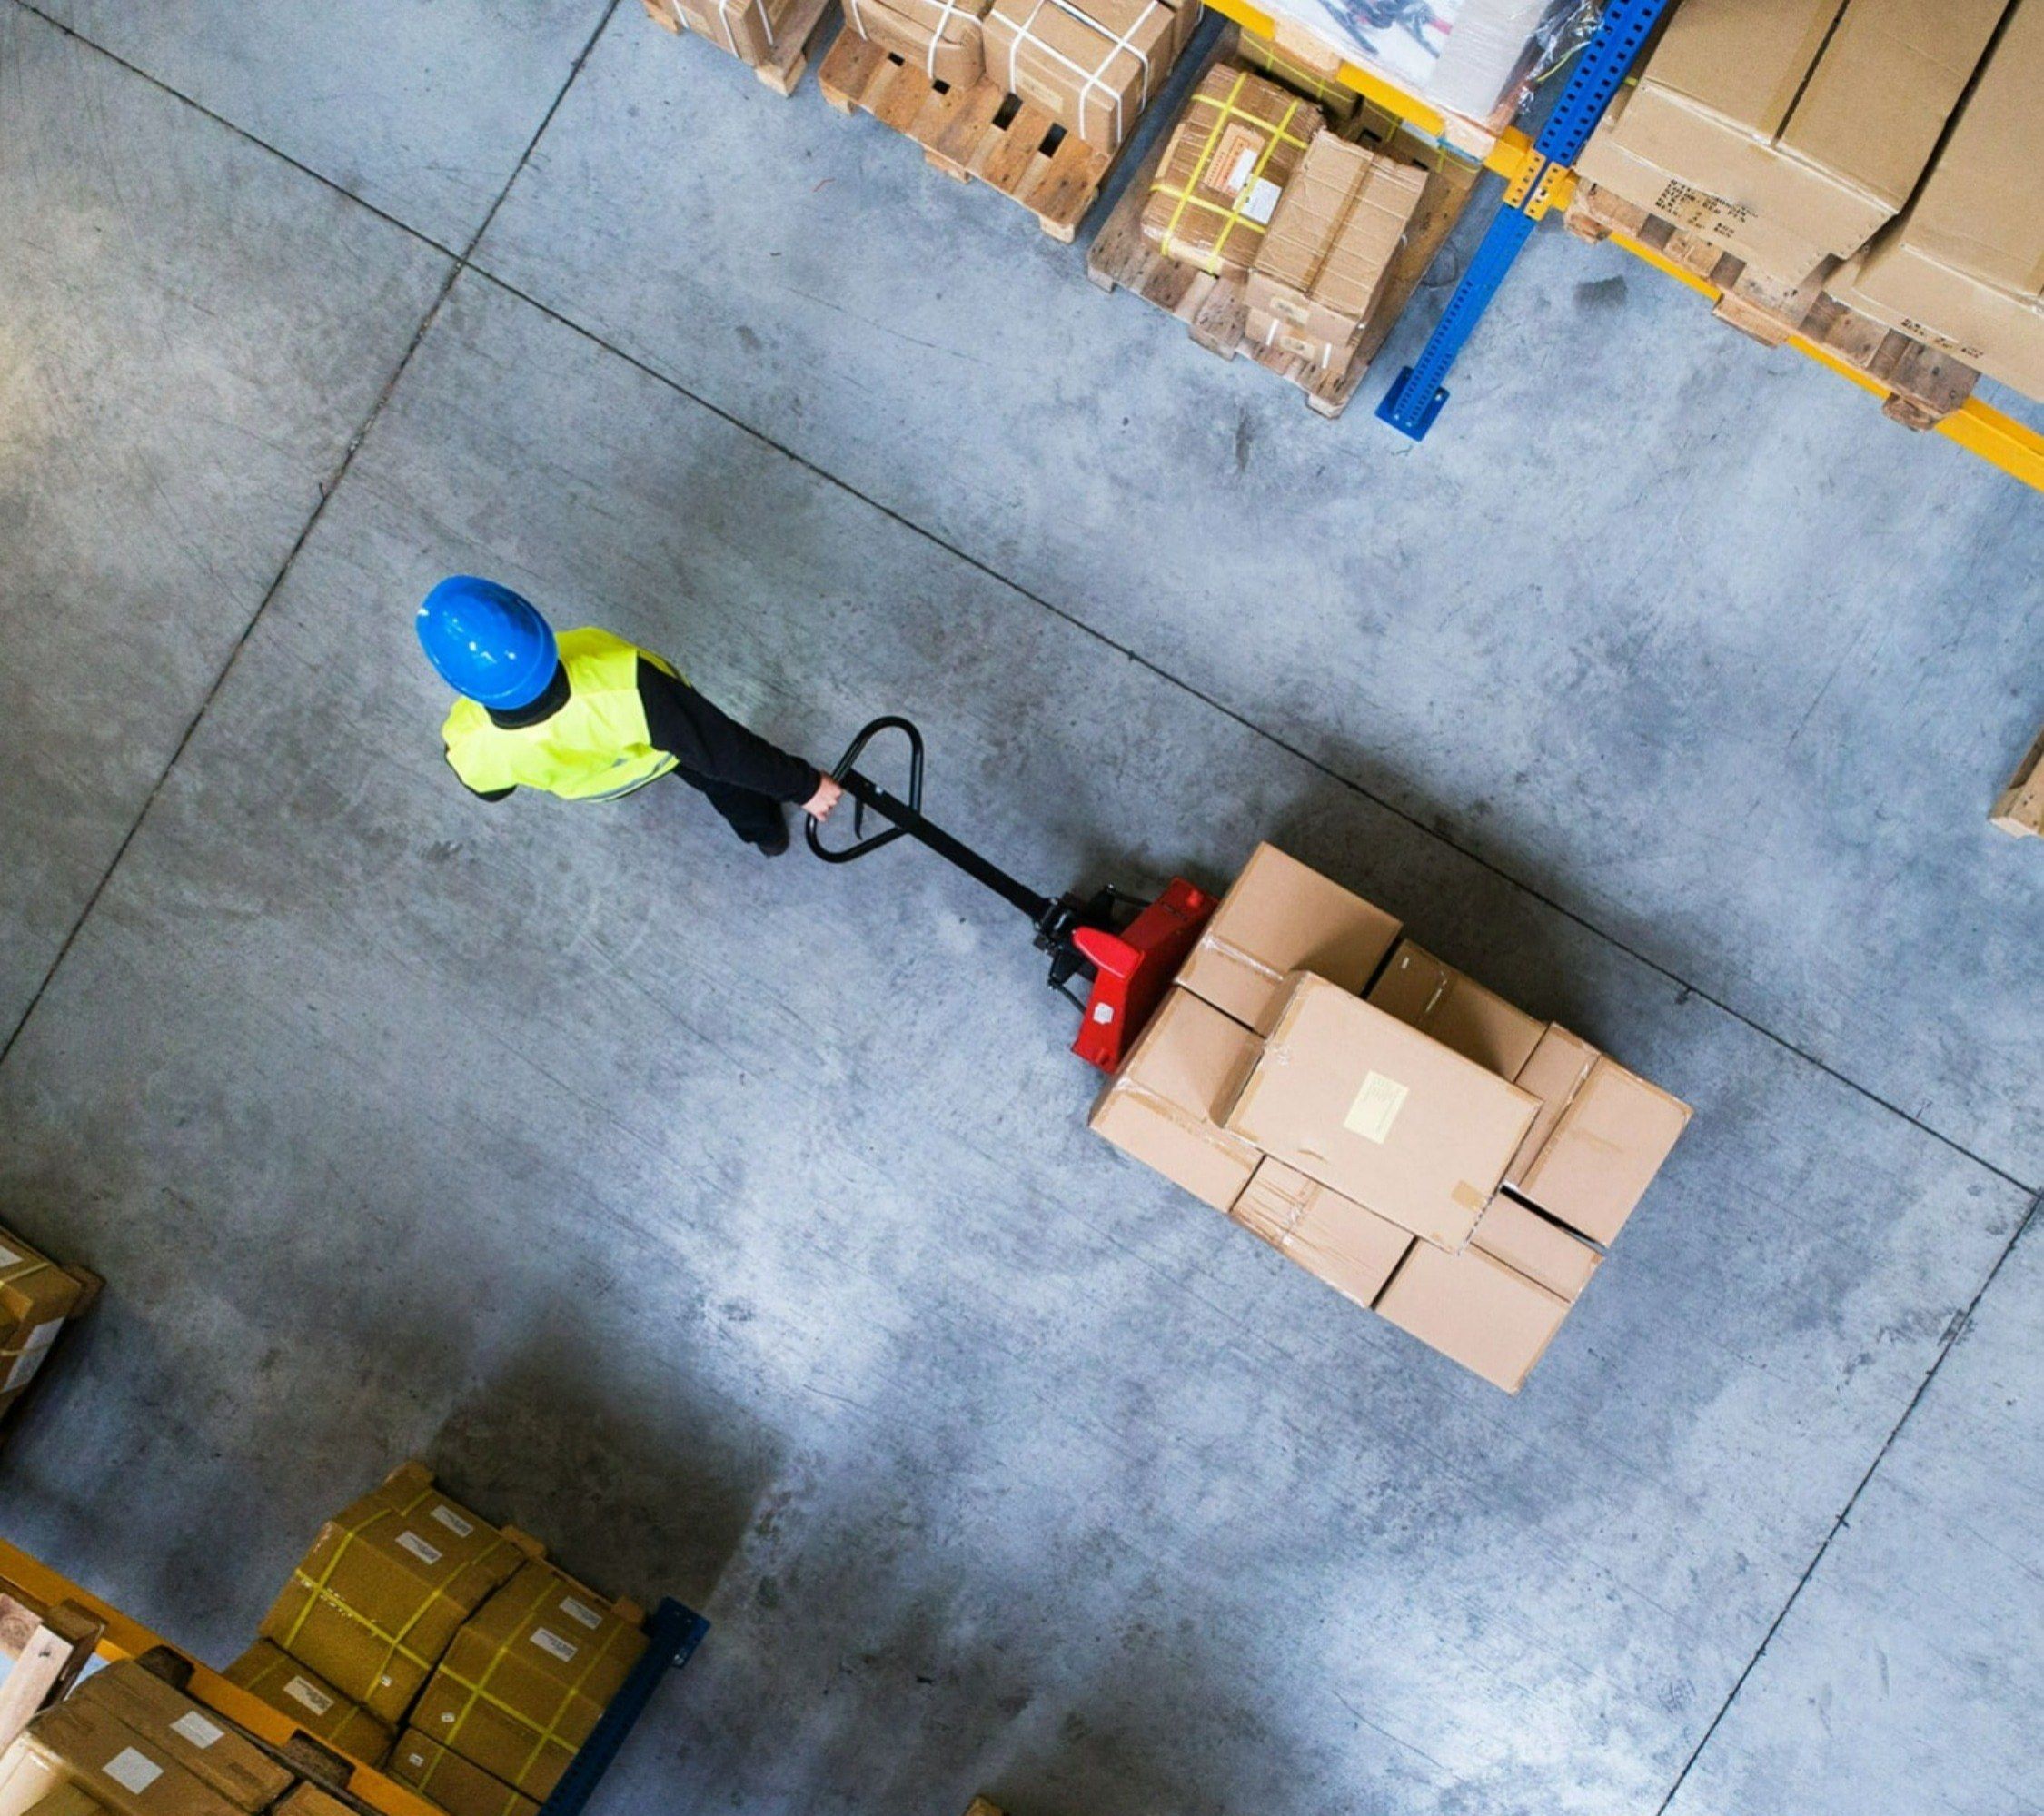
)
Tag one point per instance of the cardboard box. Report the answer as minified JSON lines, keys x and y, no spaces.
{"x":36,"y":1296}
{"x":1164,"y":1107}
{"x":1456,"y":1010}
{"x":1227,"y":163}
{"x":125,"y":1772}
{"x":1536,"y":1247}
{"x":1601,"y":1135}
{"x":1265,"y":329}
{"x":315,"y":1705}
{"x":528,"y":1677}
{"x":1380,"y":1112}
{"x":1323,"y":264}
{"x":1798,"y":126}
{"x":943,"y":38}
{"x":66,"y":1800}
{"x":1317,"y":82}
{"x":1354,"y":1250}
{"x":753,"y":30}
{"x":309,"y":1799}
{"x":1474,"y":1310}
{"x":1091,"y":64}
{"x":205,"y":1745}
{"x":2018,"y":808}
{"x":1963,"y":269}
{"x":457,"y":1785}
{"x":384,"y":1589}
{"x":1279,"y":916}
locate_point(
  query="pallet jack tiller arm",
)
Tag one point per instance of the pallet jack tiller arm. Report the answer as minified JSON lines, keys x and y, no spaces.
{"x":1126,"y":947}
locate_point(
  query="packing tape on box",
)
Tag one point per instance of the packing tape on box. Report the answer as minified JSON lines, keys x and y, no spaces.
{"x":393,"y":1643}
{"x":544,"y":1737}
{"x":1228,"y":949}
{"x":1231,"y":216}
{"x":1091,"y":78}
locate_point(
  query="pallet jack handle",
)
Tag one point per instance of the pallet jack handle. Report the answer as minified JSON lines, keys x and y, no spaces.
{"x":1127,"y":949}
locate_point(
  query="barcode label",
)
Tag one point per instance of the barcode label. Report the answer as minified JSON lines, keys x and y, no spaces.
{"x":197,"y":1729}
{"x":453,"y":1522}
{"x":129,"y":1770}
{"x":582,"y":1612}
{"x":563,"y":1650}
{"x":310,"y":1694}
{"x":418,"y":1548}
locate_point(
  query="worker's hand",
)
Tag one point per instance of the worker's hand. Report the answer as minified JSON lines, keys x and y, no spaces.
{"x":826,"y":795}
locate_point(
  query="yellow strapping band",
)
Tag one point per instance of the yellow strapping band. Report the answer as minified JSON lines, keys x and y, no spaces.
{"x":1231,"y":216}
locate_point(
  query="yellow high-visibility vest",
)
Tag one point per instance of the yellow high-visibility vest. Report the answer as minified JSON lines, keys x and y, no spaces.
{"x":596,"y":747}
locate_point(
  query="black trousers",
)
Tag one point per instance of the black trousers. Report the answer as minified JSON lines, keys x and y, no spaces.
{"x":757,"y":819}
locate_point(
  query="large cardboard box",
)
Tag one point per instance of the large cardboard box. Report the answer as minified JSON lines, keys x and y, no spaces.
{"x":1791,"y":130}
{"x":1601,"y":1135}
{"x":36,"y":1296}
{"x":1354,"y":1250}
{"x":125,"y":1773}
{"x":457,"y":1785}
{"x":1963,"y":269}
{"x":1329,"y":247}
{"x":1475,"y":1310}
{"x":315,"y":1705}
{"x":943,"y":38}
{"x":1380,"y":1112}
{"x":528,"y":1677}
{"x":751,"y":30}
{"x":1535,"y":1246}
{"x":1456,"y":1010}
{"x":66,"y":1800}
{"x":1227,"y":163}
{"x":206,"y":1747}
{"x":1091,"y":64}
{"x":1164,"y":1107}
{"x":309,"y":1799}
{"x":1262,"y":329}
{"x":384,"y":1589}
{"x":1279,"y":916}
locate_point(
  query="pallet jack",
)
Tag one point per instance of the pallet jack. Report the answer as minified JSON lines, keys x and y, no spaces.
{"x":1126,"y":948}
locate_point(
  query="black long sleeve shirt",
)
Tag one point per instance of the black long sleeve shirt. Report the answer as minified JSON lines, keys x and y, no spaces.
{"x":698,"y":734}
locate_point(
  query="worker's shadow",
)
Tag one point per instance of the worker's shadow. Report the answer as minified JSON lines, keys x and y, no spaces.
{"x":642,"y":1491}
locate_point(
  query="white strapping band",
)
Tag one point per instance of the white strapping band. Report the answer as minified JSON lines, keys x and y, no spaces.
{"x":1090,"y":78}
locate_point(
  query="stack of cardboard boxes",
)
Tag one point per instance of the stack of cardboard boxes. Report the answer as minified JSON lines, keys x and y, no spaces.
{"x":1422,"y":1146}
{"x":125,"y":1743}
{"x":756,"y":32}
{"x":37,"y":1298}
{"x":1091,"y":64}
{"x":1890,"y":150}
{"x":1253,"y":188}
{"x":415,"y":1633}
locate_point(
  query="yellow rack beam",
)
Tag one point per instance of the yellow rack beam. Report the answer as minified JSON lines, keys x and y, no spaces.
{"x":1979,"y":428}
{"x":31,"y":1581}
{"x":1976,"y":426}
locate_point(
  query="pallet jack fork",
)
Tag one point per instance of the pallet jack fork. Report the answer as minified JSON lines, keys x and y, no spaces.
{"x":1126,"y":948}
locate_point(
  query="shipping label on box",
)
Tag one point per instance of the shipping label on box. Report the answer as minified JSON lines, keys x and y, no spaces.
{"x":1381,"y":1113}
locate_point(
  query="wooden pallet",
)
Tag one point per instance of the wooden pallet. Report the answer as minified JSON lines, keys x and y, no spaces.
{"x":783,"y":73}
{"x":1215,"y":310}
{"x":981,"y":132}
{"x":2020,"y":808}
{"x":1924,"y":386}
{"x":90,"y":1288}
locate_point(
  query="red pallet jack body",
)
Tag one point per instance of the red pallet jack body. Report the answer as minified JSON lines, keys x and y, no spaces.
{"x":1127,"y":949}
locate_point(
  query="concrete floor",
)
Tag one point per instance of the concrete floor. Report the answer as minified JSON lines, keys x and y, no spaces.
{"x":734,"y":1226}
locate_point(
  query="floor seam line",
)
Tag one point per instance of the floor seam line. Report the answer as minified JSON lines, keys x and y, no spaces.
{"x":1958,"y":1328}
{"x":328,"y":487}
{"x":243,"y":132}
{"x":2027,"y":1187}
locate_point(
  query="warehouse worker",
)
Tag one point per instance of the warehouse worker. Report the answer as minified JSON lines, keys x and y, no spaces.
{"x":588,"y":717}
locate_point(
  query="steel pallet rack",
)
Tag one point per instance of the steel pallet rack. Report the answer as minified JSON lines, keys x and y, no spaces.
{"x":65,"y":1624}
{"x":1538,"y":178}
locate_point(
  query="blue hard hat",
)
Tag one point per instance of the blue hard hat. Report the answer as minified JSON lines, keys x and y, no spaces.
{"x":487,"y":642}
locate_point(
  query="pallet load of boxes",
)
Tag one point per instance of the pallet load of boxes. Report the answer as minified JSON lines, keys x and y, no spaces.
{"x":1868,"y":174}
{"x":1441,"y":1157}
{"x":418,"y":1637}
{"x":38,"y":1298}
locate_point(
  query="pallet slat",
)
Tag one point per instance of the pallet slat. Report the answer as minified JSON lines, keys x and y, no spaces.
{"x":1924,"y":385}
{"x":964,"y":134}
